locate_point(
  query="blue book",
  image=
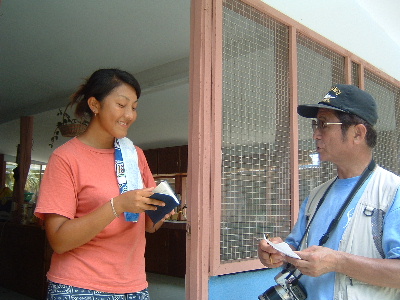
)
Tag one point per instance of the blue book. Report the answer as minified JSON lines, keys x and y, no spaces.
{"x":163,"y":192}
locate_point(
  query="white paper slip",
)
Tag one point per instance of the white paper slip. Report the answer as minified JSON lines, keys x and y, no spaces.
{"x":282,"y":247}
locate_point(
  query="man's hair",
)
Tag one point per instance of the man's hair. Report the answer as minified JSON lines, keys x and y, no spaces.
{"x":350,"y":119}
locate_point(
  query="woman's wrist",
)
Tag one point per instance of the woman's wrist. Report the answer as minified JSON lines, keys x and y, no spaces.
{"x":113,"y":208}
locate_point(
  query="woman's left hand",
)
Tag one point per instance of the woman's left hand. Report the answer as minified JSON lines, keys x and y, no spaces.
{"x":151,"y":227}
{"x":168,"y":215}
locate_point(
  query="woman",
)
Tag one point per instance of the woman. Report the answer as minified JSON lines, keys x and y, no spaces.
{"x":98,"y":253}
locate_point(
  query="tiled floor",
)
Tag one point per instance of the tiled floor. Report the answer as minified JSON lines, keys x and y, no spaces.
{"x":161,"y":287}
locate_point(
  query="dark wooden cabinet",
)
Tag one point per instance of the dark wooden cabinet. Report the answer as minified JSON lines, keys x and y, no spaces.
{"x":24,"y":259}
{"x":166,"y":250}
{"x":169,"y":160}
{"x":152,"y":159}
{"x":183,"y":159}
{"x":25,"y":256}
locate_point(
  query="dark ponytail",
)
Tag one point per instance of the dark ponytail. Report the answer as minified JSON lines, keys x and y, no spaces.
{"x":99,"y":85}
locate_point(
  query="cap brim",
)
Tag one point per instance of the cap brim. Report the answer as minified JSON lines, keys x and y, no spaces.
{"x":311,"y":110}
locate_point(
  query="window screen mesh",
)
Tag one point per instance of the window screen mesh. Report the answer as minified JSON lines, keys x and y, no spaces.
{"x":318,"y":69}
{"x":255,"y":141}
{"x":387,"y":96}
{"x":256,"y":171}
{"x":355,"y":78}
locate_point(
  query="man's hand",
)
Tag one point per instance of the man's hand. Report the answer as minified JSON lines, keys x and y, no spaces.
{"x":268,"y":256}
{"x":315,"y":261}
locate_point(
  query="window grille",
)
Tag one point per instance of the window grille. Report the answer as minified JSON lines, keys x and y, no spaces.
{"x":355,"y":77}
{"x":318,"y":69}
{"x":387,"y":96}
{"x":255,"y":141}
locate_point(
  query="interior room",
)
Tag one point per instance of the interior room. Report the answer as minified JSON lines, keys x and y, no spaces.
{"x":47,"y":50}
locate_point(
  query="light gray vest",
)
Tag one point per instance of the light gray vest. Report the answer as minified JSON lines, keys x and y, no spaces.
{"x":363,"y":235}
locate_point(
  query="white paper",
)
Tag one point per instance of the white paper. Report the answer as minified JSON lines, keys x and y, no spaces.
{"x":283,"y":248}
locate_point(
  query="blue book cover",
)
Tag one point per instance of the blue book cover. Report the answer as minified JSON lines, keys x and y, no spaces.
{"x":163,"y":192}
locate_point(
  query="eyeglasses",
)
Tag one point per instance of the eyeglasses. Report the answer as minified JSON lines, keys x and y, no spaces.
{"x":321,"y":125}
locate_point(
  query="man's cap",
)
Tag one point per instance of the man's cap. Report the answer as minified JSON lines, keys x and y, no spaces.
{"x":347,"y":98}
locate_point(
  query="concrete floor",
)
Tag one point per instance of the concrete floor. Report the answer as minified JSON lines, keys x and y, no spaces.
{"x":163,"y":287}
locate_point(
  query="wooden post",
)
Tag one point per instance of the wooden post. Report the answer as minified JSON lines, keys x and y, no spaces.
{"x":200,"y":132}
{"x":24,"y":153}
{"x":2,"y":171}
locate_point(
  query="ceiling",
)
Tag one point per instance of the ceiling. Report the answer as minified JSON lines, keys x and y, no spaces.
{"x":48,"y":47}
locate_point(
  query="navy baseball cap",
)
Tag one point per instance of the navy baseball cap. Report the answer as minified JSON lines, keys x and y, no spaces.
{"x":347,"y":98}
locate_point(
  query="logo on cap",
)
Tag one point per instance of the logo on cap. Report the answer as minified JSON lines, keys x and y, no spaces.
{"x":331,"y":94}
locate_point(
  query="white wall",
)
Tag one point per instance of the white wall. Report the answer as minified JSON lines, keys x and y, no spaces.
{"x":368,"y":28}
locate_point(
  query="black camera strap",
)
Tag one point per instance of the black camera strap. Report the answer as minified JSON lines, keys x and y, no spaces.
{"x":343,"y":208}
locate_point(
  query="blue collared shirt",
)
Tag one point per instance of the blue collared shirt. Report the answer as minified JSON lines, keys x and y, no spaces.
{"x":322,"y":287}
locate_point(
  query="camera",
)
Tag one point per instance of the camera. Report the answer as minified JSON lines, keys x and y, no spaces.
{"x":288,"y":286}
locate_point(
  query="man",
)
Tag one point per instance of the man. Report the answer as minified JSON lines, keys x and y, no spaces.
{"x":354,"y":254}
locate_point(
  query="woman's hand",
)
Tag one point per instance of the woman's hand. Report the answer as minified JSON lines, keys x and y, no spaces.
{"x":136,"y":201}
{"x":168,"y":215}
{"x":151,"y":227}
{"x":65,"y":234}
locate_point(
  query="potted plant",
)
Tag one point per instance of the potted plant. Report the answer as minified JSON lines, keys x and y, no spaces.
{"x":68,"y":126}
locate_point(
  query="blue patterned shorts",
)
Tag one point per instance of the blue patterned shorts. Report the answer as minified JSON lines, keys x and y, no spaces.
{"x":57,"y":291}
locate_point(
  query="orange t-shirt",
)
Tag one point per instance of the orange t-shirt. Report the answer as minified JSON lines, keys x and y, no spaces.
{"x":77,"y":180}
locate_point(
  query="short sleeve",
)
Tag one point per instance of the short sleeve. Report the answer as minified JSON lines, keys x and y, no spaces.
{"x":295,"y":236}
{"x":391,"y":230}
{"x":147,"y":176}
{"x":57,"y":190}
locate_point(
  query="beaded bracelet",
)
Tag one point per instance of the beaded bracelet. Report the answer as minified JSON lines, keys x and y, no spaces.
{"x":113,"y":208}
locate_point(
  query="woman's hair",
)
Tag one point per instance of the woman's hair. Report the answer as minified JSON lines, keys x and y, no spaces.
{"x":99,"y":85}
{"x":351,"y":119}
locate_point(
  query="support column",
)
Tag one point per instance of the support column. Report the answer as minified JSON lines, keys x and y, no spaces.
{"x":2,"y":171}
{"x":24,"y":153}
{"x":200,"y":132}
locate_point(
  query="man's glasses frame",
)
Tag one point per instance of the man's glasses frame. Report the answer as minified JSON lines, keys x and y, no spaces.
{"x":321,"y":125}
